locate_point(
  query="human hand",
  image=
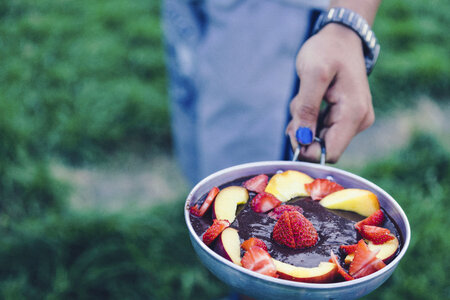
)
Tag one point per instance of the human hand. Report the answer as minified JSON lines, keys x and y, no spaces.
{"x":331,"y":66}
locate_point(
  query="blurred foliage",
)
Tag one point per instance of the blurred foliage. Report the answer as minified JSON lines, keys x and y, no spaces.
{"x":414,"y":58}
{"x":88,"y":76}
{"x":26,"y":186}
{"x":418,"y":177}
{"x":111,"y":257}
{"x":78,"y":79}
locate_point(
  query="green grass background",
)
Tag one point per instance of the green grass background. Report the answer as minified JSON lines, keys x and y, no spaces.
{"x":83,"y":80}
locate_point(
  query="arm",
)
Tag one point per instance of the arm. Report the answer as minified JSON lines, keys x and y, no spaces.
{"x":331,"y":66}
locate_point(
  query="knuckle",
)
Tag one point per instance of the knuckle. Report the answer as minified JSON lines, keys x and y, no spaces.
{"x":293,"y":104}
{"x":367,"y":111}
{"x":307,"y":112}
{"x":363,"y":109}
{"x":322,"y":72}
{"x":369,"y":119}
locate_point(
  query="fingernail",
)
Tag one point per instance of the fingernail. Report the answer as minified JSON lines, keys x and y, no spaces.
{"x":304,"y":135}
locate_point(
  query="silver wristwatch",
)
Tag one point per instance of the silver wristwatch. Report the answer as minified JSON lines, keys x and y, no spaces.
{"x":359,"y":25}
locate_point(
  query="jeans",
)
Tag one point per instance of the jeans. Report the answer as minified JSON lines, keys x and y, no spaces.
{"x":232,"y":72}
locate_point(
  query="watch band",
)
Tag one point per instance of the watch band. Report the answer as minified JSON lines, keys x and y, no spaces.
{"x":357,"y":23}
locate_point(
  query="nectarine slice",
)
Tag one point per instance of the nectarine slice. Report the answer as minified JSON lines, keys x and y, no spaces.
{"x":360,"y":201}
{"x":386,"y":250}
{"x":324,"y":272}
{"x":227,"y":201}
{"x":288,"y":185}
{"x":228,"y":245}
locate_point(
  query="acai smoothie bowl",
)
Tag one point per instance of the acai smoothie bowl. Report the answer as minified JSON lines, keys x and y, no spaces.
{"x":295,"y":230}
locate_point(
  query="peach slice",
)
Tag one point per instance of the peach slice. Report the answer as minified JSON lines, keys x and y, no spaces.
{"x":386,"y":250}
{"x":227,"y":201}
{"x":288,"y":185}
{"x":360,"y":201}
{"x":228,"y":245}
{"x":323,"y":273}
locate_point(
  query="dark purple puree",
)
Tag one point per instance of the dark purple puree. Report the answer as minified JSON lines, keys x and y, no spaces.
{"x":335,"y":228}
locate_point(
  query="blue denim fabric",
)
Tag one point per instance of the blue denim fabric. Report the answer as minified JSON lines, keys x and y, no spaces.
{"x":232,"y":70}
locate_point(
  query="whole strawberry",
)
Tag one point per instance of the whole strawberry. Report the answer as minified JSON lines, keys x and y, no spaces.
{"x":295,"y":231}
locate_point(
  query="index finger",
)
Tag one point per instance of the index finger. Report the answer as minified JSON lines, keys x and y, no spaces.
{"x":305,"y":106}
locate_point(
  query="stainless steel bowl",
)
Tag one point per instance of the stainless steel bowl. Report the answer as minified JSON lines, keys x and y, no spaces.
{"x":264,"y":287}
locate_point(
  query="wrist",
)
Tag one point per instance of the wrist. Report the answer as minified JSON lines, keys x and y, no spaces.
{"x":342,"y":34}
{"x":345,"y":17}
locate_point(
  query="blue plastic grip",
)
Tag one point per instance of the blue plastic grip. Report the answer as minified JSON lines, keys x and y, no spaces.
{"x":304,"y":136}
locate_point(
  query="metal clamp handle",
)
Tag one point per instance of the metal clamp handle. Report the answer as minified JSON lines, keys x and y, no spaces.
{"x":323,"y":151}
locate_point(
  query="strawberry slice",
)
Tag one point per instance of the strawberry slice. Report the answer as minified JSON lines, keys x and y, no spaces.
{"x":263,"y":202}
{"x":378,"y":235}
{"x":279,"y":210}
{"x":376,"y":219}
{"x":256,"y":184}
{"x":200,"y":211}
{"x":341,"y":270}
{"x":253,"y":242}
{"x":349,"y":249}
{"x":365,"y":261}
{"x":294,"y":231}
{"x":214,"y":230}
{"x":259,"y":260}
{"x":320,"y":188}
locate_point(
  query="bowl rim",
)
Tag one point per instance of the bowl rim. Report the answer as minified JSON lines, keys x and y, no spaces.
{"x":288,"y":283}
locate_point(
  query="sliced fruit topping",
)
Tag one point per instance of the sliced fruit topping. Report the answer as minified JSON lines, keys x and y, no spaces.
{"x":259,"y":260}
{"x":198,"y":210}
{"x":325,"y":272}
{"x":365,"y":261}
{"x":225,"y":205}
{"x":295,"y":231}
{"x":253,"y":242}
{"x":279,"y":210}
{"x":378,"y":235}
{"x":375,"y":219}
{"x":386,"y":250}
{"x":256,"y":184}
{"x":340,"y":269}
{"x":363,"y":202}
{"x":288,"y":185}
{"x":320,"y":188}
{"x":228,"y":245}
{"x":349,"y":249}
{"x":214,"y":230}
{"x":263,"y":202}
